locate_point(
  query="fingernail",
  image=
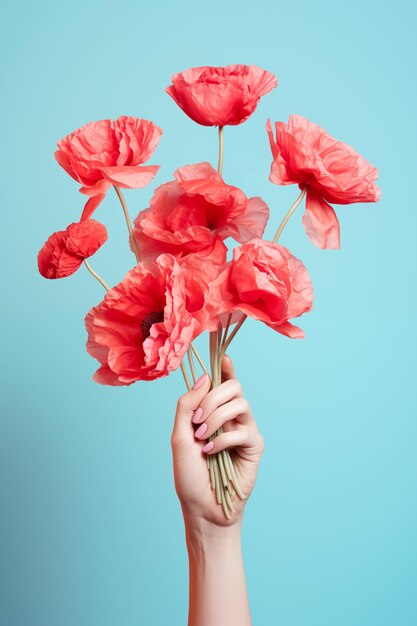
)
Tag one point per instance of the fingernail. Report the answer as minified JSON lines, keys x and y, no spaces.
{"x":200,"y":431}
{"x":198,"y":383}
{"x":198,"y":414}
{"x":209,"y":446}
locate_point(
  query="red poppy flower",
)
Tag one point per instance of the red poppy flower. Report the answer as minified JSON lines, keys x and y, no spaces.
{"x":187,"y":215}
{"x":330,"y":170}
{"x":109,"y":152}
{"x":201,"y":270}
{"x":143,"y":327}
{"x":220,"y":96}
{"x":65,"y":250}
{"x":265,"y":281}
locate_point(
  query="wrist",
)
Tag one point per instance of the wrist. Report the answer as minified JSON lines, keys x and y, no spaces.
{"x":218,"y":595}
{"x":204,"y":533}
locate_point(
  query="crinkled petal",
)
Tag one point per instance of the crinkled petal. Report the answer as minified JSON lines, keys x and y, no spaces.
{"x":85,"y":238}
{"x":98,"y":189}
{"x":288,"y":329}
{"x":252,"y":223}
{"x":54,"y":260}
{"x":196,"y":171}
{"x":320,"y":222}
{"x":130,"y":177}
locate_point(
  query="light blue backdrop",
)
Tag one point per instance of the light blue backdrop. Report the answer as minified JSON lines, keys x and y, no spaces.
{"x":91,"y":530}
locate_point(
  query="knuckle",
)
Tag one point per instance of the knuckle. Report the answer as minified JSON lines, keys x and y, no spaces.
{"x":237,"y":387}
{"x":261,"y":442}
{"x":244,"y":404}
{"x":182,"y":403}
{"x":248,"y":436}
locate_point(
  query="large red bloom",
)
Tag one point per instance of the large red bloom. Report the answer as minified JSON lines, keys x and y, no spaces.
{"x":265,"y":281}
{"x":64,"y":251}
{"x":201,"y":270}
{"x":188,"y":214}
{"x":330,"y":170}
{"x":220,"y":96}
{"x":144,"y":325}
{"x":109,"y":152}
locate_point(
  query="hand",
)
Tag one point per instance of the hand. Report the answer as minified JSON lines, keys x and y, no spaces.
{"x":223,"y":406}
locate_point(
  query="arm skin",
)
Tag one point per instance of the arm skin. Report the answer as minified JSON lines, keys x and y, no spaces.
{"x":217,"y":586}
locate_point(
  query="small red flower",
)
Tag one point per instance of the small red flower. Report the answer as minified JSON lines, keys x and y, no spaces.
{"x":145,"y":324}
{"x":65,"y":250}
{"x":266,"y":282}
{"x":109,"y":152}
{"x":188,"y":214}
{"x":220,"y":96}
{"x":330,"y":171}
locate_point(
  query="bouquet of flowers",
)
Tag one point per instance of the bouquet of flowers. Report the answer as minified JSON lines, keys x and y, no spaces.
{"x":183,"y":281}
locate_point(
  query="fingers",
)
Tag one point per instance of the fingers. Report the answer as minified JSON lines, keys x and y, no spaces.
{"x":216,"y":397}
{"x":228,"y":371}
{"x":251,"y":440}
{"x":237,"y":409}
{"x":186,"y":406}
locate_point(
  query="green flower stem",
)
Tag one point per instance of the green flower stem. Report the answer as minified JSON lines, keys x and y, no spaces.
{"x":234,"y":332}
{"x":184,"y":373}
{"x":199,"y":359}
{"x":128,"y":223}
{"x":288,"y":214}
{"x":96,"y":276}
{"x":192,"y":365}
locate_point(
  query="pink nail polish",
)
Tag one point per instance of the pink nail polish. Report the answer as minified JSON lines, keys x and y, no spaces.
{"x":209,"y":446}
{"x":198,"y":414}
{"x":200,"y":431}
{"x":198,"y":383}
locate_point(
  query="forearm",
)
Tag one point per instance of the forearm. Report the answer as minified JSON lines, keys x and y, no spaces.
{"x":218,"y":594}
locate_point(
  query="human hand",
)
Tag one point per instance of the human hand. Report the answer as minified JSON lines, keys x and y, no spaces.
{"x":223,"y":406}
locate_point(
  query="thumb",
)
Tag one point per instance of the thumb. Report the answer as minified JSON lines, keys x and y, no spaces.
{"x":186,"y":406}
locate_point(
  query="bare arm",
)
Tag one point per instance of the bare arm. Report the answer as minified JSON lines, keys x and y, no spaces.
{"x":217,"y":585}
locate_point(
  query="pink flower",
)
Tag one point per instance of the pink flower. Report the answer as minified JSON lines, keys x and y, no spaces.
{"x":330,"y":171}
{"x":188,"y":214}
{"x":109,"y":152}
{"x":220,"y":96}
{"x":65,"y":250}
{"x":200,"y":270}
{"x":143,"y":327}
{"x":266,"y":282}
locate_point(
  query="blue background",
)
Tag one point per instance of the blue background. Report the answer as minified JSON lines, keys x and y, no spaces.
{"x":91,"y":530}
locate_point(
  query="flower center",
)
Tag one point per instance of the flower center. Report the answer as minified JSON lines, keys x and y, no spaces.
{"x":152,"y":318}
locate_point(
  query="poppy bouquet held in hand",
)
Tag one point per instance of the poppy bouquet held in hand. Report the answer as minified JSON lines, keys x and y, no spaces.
{"x":183,"y":282}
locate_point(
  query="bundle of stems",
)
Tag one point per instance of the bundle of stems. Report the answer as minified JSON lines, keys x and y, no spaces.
{"x":220,"y":465}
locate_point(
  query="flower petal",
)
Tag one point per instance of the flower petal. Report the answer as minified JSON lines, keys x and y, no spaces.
{"x":320,"y":222}
{"x":288,"y":329}
{"x":85,"y":238}
{"x":130,"y":177}
{"x":54,"y":260}
{"x":251,"y":224}
{"x":99,"y":188}
{"x":196,"y":171}
{"x":91,"y":205}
